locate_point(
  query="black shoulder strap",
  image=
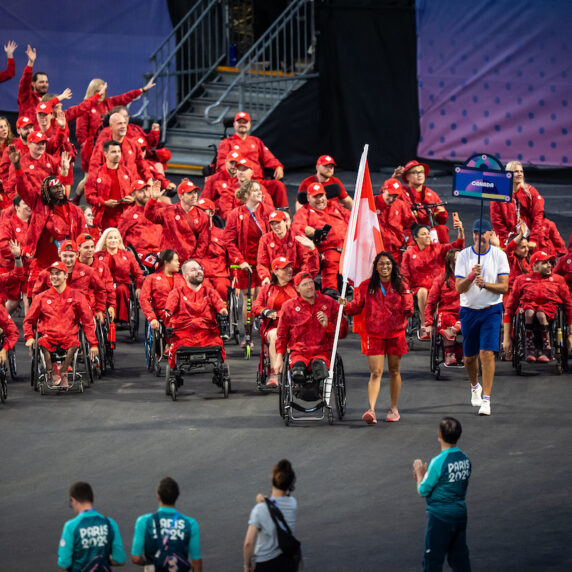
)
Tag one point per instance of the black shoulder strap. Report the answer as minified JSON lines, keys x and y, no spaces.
{"x":277,"y":515}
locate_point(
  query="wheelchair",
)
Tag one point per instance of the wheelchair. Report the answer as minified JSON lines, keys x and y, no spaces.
{"x":558,"y":331}
{"x":292,"y":396}
{"x":190,"y":360}
{"x":413,"y":326}
{"x":105,"y":360}
{"x":133,"y":313}
{"x":437,"y":353}
{"x":79,"y":375}
{"x":4,"y":375}
{"x":264,"y":364}
{"x":155,"y":343}
{"x":234,"y":314}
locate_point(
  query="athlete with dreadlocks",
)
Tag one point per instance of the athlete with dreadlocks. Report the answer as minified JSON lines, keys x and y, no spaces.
{"x":53,"y":220}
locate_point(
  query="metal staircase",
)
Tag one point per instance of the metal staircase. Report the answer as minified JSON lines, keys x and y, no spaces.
{"x":197,"y":88}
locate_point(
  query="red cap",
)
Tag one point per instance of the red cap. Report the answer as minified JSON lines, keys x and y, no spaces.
{"x":206,"y":204}
{"x":84,"y":237}
{"x":246,"y":163}
{"x":316,"y":189}
{"x":44,"y":107}
{"x":392,"y":186}
{"x":539,"y":256}
{"x":58,"y":266}
{"x":68,"y":245}
{"x":301,"y":276}
{"x":187,"y":186}
{"x":36,"y":137}
{"x":325,"y":160}
{"x":233,"y":156}
{"x":137,"y":185}
{"x":280,"y":262}
{"x":277,"y":216}
{"x":412,"y":164}
{"x":242,"y":115}
{"x":23,"y":121}
{"x":163,"y":155}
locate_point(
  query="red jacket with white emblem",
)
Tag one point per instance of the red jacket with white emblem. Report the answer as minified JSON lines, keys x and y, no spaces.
{"x":58,"y":315}
{"x":427,"y":196}
{"x":123,"y":267}
{"x":216,"y":264}
{"x":334,"y":214}
{"x":9,"y":329}
{"x":550,"y":240}
{"x":11,"y":228}
{"x":564,"y":266}
{"x":104,"y":274}
{"x":546,"y":293}
{"x":421,"y":267}
{"x":227,"y":200}
{"x":271,"y":247}
{"x":385,"y":315}
{"x":517,"y":264}
{"x":188,"y":234}
{"x":154,"y":293}
{"x":236,"y":231}
{"x":300,"y":331}
{"x":443,"y":297}
{"x":393,"y":222}
{"x":131,"y":158}
{"x":250,"y":148}
{"x":138,"y":231}
{"x":82,"y":278}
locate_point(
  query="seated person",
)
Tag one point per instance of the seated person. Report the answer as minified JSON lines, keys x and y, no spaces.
{"x":564,"y":266}
{"x":422,"y":262}
{"x":550,"y":240}
{"x":282,"y":242}
{"x":57,"y":314}
{"x":9,"y":331}
{"x":307,"y":328}
{"x":268,"y":305}
{"x":444,"y":298}
{"x":311,"y":220}
{"x":538,"y":294}
{"x":191,"y":312}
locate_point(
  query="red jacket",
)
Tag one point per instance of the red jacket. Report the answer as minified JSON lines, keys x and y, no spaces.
{"x":442,"y":298}
{"x":546,"y":292}
{"x":131,"y":158}
{"x":271,"y":247}
{"x":9,"y":72}
{"x":564,"y":265}
{"x":98,"y":190}
{"x":526,"y":204}
{"x":58,"y":316}
{"x":11,"y":228}
{"x":268,"y":295}
{"x":550,"y":240}
{"x":385,"y":315}
{"x":5,"y":162}
{"x":227,"y":200}
{"x":138,"y":231}
{"x":216,"y":264}
{"x":44,"y":218}
{"x":300,"y":331}
{"x":421,"y":267}
{"x":426,"y":196}
{"x":188,"y":234}
{"x":123,"y":267}
{"x":28,"y":99}
{"x":104,"y":274}
{"x":84,"y":279}
{"x":331,"y":181}
{"x":88,"y":124}
{"x":9,"y":329}
{"x":211,"y":189}
{"x":187,"y":310}
{"x":334,"y":215}
{"x":11,"y":279}
{"x":251,"y":148}
{"x":236,"y":231}
{"x":518,"y":265}
{"x":154,"y":294}
{"x":393,"y":222}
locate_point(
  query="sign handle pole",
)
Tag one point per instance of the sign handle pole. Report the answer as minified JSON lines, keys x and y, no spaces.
{"x":480,"y":225}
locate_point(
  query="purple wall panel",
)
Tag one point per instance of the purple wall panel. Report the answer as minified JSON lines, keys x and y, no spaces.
{"x":495,"y":77}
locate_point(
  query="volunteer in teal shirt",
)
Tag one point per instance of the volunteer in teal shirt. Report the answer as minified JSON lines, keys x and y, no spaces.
{"x":90,"y":538}
{"x":444,"y":485}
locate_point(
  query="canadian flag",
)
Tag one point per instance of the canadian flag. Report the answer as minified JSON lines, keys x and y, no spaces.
{"x":363,"y":241}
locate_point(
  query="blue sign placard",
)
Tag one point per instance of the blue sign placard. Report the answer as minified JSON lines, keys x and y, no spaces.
{"x":480,"y":184}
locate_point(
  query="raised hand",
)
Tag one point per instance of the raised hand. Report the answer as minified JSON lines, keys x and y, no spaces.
{"x":66,"y":94}
{"x":31,"y":53}
{"x":14,"y":156}
{"x":65,"y":162}
{"x":151,"y":83}
{"x":10,"y":48}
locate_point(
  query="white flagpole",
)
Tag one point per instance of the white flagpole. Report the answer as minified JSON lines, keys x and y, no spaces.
{"x":348,"y":253}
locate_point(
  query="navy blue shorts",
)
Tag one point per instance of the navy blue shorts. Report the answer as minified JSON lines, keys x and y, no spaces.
{"x":480,"y":329}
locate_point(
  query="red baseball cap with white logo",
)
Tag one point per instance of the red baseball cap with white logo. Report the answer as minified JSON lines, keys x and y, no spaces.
{"x":137,"y":185}
{"x":392,"y":186}
{"x":187,"y":186}
{"x":234,"y":156}
{"x":206,"y":204}
{"x":316,"y":189}
{"x":68,"y":245}
{"x":58,"y":266}
{"x":325,"y":160}
{"x":277,"y":216}
{"x":23,"y":121}
{"x":242,"y":115}
{"x":247,"y":163}
{"x":280,"y":262}
{"x":540,"y":256}
{"x":36,"y":137}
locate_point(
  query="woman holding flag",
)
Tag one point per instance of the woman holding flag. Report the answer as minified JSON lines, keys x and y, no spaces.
{"x":386,"y":302}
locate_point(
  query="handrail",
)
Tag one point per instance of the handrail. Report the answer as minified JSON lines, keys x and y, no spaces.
{"x":268,"y":46}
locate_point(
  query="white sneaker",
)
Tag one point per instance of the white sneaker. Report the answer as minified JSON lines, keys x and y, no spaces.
{"x":485,"y":408}
{"x":476,"y":393}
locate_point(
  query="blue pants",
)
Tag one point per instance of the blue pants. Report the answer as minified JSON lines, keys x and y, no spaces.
{"x":446,"y":539}
{"x":480,"y":329}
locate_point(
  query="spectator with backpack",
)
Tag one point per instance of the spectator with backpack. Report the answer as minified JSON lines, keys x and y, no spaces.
{"x":268,"y":545}
{"x":167,"y":539}
{"x":90,"y":541}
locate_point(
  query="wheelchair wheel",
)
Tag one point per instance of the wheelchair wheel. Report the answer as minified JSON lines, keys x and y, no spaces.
{"x":133,"y":315}
{"x":234,"y":315}
{"x":339,"y":386}
{"x":226,"y":380}
{"x":12,"y":365}
{"x":167,"y":380}
{"x":3,"y":385}
{"x":89,"y":365}
{"x":173,"y":389}
{"x":148,"y":345}
{"x":35,"y":369}
{"x":518,"y":343}
{"x":285,"y":392}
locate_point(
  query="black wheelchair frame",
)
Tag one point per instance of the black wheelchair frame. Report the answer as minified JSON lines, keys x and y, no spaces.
{"x":437,"y":353}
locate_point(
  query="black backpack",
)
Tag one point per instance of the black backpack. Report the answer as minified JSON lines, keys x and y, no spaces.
{"x":290,"y":546}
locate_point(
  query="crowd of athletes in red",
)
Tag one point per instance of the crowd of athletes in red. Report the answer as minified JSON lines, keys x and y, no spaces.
{"x":67,"y":265}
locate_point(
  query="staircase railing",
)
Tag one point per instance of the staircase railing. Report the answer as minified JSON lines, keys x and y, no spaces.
{"x":273,"y":67}
{"x":187,"y":57}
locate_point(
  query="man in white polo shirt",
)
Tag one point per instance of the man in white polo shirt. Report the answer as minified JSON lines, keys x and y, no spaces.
{"x":481,"y":282}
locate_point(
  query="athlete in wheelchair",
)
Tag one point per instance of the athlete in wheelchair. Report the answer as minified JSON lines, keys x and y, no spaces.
{"x":8,"y":337}
{"x":540,"y":309}
{"x":191,"y":320}
{"x":51,"y":331}
{"x":442,"y":318}
{"x":304,"y":343}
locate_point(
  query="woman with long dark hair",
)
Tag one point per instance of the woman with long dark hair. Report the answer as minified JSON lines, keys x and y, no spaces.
{"x":386,"y":303}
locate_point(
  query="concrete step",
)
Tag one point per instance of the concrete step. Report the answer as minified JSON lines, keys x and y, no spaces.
{"x":191,"y":139}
